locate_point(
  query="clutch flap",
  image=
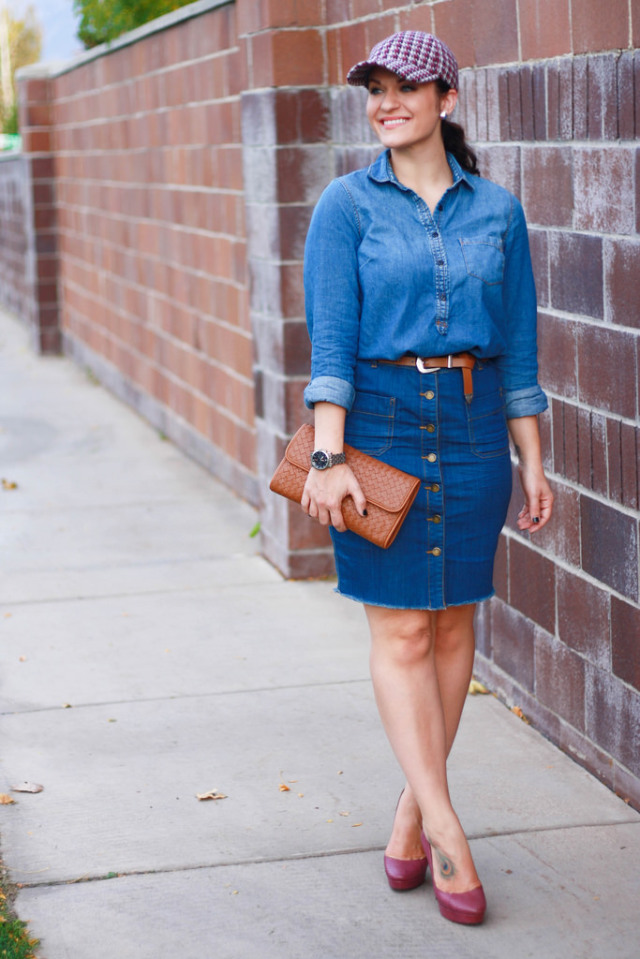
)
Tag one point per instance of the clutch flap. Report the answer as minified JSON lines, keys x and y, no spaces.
{"x":299,"y":450}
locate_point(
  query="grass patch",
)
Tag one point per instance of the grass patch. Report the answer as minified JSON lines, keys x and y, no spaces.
{"x":15,"y":941}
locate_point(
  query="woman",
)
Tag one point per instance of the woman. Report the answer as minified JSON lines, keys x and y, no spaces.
{"x":422,"y":313}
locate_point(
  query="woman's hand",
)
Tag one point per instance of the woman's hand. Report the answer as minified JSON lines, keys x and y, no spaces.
{"x":324,"y":492}
{"x":538,"y":499}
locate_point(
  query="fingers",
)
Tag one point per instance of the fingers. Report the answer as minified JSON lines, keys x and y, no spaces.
{"x":359,"y":499}
{"x":535,"y":515}
{"x":336,"y":520}
{"x":324,"y":494}
{"x":544,"y":515}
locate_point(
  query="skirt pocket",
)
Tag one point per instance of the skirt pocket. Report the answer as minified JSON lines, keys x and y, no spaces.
{"x":487,"y":424}
{"x":369,"y":424}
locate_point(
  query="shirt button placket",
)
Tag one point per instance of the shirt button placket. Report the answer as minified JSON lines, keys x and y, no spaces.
{"x":439,"y":258}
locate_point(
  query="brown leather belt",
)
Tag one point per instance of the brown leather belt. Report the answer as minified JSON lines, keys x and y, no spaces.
{"x":429,"y":364}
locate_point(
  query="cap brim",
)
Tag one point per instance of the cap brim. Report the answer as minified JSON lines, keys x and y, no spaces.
{"x":359,"y":74}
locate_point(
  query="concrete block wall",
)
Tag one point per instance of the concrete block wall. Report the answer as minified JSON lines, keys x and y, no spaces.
{"x":187,"y":162}
{"x":562,"y":638}
{"x":549,"y":94}
{"x":16,"y":236}
{"x":28,"y":222}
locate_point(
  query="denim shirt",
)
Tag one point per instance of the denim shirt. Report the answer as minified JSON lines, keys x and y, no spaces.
{"x":384,"y":276}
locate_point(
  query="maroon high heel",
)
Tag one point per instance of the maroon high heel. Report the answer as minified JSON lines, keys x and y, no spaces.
{"x":405,"y":874}
{"x":468,"y":908}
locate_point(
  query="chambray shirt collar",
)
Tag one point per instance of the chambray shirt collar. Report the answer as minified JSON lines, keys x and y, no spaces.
{"x":381,"y":171}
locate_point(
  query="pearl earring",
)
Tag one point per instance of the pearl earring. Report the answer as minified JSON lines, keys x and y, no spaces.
{"x":443,"y":115}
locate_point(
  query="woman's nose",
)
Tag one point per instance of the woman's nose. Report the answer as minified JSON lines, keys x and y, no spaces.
{"x":389,"y":100}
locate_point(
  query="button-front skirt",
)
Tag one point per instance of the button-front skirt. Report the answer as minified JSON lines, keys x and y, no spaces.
{"x":421,"y":423}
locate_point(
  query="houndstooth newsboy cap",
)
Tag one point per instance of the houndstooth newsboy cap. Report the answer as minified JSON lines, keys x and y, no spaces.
{"x":412,"y":55}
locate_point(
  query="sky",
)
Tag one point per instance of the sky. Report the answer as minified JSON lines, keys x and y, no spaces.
{"x":58,"y":23}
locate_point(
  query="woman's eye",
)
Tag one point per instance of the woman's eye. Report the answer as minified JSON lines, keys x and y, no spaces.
{"x":374,"y":90}
{"x":407,"y":88}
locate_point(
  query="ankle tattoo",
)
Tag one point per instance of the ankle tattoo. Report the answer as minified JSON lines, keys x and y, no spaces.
{"x":445,"y":865}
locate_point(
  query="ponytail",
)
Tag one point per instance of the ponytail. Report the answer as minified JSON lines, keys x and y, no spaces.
{"x":455,"y":141}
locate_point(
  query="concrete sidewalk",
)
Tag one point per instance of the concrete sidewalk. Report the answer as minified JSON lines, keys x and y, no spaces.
{"x":149,"y":654}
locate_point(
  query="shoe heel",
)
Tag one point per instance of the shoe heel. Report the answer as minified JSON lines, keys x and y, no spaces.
{"x":405,"y":874}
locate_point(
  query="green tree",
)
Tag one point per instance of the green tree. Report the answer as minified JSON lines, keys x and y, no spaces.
{"x":20,"y":45}
{"x":103,"y":20}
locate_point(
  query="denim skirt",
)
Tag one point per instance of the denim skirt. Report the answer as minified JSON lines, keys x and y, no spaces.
{"x":421,"y":423}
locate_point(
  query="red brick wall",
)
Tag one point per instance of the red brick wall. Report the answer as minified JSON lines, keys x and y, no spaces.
{"x":153,"y":271}
{"x":187,"y":166}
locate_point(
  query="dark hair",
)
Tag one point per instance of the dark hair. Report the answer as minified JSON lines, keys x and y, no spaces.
{"x":455,"y":141}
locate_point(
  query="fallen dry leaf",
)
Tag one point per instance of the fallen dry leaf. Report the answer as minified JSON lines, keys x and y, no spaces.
{"x":477,"y":688}
{"x":355,"y":824}
{"x":284,"y":788}
{"x":301,"y":795}
{"x":344,"y":813}
{"x":518,"y":712}
{"x":212,"y":794}
{"x":27,"y":788}
{"x":67,"y":706}
{"x":9,"y":484}
{"x":6,"y":800}
{"x":22,"y":659}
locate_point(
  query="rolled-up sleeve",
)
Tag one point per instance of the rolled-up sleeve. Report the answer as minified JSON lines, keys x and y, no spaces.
{"x":332,"y":297}
{"x":518,"y":366}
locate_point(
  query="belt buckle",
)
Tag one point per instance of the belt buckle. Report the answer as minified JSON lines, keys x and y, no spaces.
{"x":425,"y":369}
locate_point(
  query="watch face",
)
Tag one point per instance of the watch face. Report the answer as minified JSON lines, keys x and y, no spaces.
{"x":319,"y":459}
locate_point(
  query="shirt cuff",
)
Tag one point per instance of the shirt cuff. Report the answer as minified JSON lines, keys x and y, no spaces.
{"x":527,"y":402}
{"x":329,"y":389}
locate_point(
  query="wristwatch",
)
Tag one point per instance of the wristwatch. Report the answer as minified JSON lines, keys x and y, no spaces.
{"x":322,"y":459}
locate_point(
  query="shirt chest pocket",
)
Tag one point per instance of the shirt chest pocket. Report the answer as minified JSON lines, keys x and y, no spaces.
{"x":484,"y":259}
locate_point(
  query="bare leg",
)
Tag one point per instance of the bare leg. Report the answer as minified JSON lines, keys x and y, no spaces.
{"x":454,"y":654}
{"x":410,"y":651}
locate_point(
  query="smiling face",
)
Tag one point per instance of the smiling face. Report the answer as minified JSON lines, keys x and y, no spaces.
{"x":405,"y":114}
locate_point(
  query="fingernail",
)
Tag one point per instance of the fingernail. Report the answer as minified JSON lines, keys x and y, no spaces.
{"x":536,"y":519}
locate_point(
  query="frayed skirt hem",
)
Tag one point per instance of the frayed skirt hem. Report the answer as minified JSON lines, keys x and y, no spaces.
{"x":366,"y":602}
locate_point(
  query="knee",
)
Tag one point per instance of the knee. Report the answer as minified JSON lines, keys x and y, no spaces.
{"x":454,"y":634}
{"x":412,"y":644}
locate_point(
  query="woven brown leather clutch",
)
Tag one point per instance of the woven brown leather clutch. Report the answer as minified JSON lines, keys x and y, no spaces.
{"x":389,"y":491}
